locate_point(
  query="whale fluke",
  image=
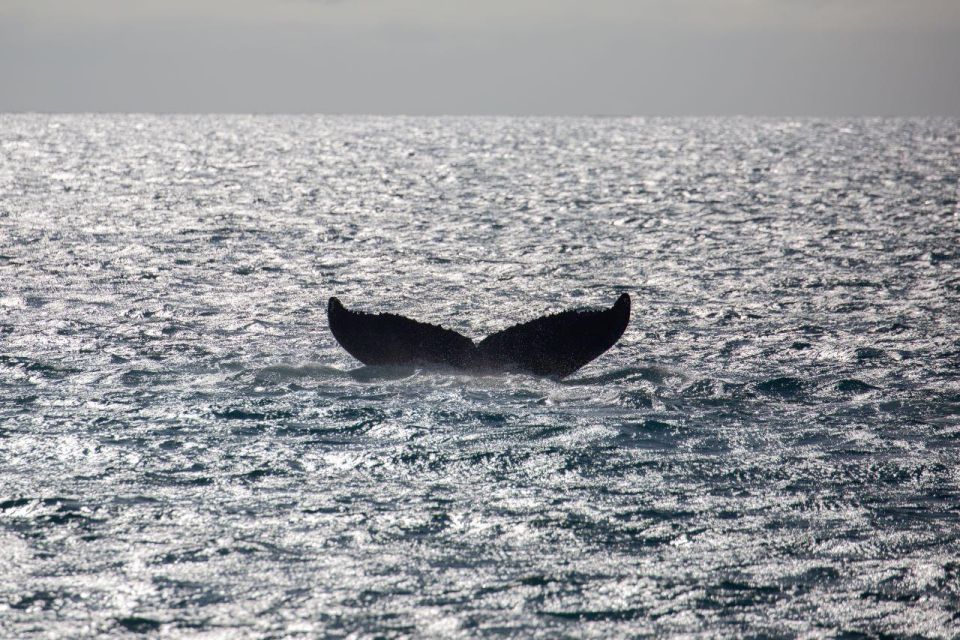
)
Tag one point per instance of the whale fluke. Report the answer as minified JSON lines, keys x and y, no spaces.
{"x":556,"y":345}
{"x":553,"y":346}
{"x":389,"y":339}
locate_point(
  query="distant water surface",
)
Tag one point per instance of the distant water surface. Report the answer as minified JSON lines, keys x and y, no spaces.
{"x":772,"y":448}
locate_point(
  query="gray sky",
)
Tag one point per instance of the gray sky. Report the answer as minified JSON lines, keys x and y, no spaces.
{"x":642,"y":57}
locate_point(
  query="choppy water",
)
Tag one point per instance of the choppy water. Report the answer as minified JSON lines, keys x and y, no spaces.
{"x":771,"y":449}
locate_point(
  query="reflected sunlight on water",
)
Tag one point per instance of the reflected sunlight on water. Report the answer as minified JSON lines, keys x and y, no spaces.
{"x":770,"y":449}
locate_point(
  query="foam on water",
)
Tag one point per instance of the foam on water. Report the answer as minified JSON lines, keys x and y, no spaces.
{"x":772,"y":448}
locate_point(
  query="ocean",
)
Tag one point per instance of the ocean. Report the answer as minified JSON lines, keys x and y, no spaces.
{"x":772,"y":448}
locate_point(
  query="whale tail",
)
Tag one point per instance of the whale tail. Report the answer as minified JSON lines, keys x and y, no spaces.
{"x":553,"y":346}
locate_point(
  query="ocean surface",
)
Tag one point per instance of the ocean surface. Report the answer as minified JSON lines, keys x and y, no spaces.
{"x":772,"y":449}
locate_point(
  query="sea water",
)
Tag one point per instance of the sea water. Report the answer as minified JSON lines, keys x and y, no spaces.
{"x":771,"y":449}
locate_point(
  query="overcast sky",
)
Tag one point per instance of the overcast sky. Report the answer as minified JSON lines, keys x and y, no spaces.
{"x":595,"y":57}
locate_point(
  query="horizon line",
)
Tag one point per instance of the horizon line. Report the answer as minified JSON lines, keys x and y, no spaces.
{"x":372,"y":114}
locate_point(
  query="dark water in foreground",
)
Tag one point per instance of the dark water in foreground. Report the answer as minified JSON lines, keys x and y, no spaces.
{"x":772,"y":449}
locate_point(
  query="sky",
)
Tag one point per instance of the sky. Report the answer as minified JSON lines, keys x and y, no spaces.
{"x":514,"y":57}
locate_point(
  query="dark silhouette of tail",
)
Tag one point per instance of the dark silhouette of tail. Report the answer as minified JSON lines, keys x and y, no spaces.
{"x":388,"y":339}
{"x":554,"y":345}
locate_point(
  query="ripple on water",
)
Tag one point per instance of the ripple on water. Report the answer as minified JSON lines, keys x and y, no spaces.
{"x":771,"y":449}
